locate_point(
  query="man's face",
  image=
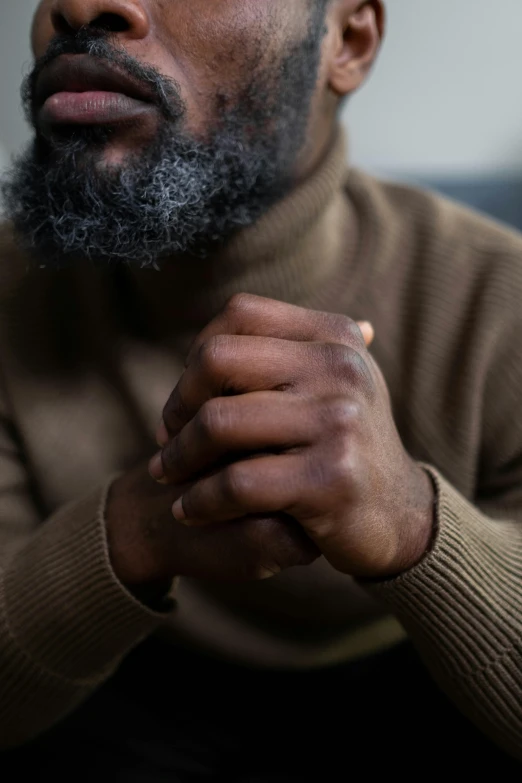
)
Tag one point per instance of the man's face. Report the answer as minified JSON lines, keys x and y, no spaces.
{"x":210,"y":51}
{"x":161,"y":126}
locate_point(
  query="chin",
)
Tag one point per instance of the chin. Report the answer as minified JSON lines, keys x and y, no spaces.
{"x":115,"y":154}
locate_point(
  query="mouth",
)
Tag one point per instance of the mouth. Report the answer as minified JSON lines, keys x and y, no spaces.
{"x":79,"y":89}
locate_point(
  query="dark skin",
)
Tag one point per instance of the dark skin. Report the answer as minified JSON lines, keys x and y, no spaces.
{"x":278,"y":443}
{"x":206,"y":47}
{"x":314,"y":408}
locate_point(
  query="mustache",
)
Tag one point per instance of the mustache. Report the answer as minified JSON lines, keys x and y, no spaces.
{"x":165,"y":91}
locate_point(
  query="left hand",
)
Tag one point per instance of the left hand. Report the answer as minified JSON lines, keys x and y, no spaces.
{"x":283,"y":409}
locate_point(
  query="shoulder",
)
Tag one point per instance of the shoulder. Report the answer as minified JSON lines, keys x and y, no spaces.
{"x":438,"y":241}
{"x":425,"y":213}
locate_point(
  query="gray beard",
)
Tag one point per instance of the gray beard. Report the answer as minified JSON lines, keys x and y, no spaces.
{"x":179,"y":197}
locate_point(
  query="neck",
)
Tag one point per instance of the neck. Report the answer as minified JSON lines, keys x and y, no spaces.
{"x":293,"y":253}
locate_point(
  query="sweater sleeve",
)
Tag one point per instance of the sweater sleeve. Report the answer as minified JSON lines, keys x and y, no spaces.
{"x":462,"y":607}
{"x":65,"y":620}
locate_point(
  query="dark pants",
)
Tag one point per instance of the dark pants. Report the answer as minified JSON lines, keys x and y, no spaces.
{"x":173,"y":716}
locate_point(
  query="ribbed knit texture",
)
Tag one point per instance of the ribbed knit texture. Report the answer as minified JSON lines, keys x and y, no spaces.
{"x":66,"y":562}
{"x":88,"y":357}
{"x":466,"y":586}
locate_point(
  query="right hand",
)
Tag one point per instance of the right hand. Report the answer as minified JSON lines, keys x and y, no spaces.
{"x":147,"y":545}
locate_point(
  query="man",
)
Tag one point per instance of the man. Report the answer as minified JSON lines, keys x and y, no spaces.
{"x":154,"y":623}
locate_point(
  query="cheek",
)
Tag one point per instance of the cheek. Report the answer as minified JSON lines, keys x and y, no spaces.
{"x":215,"y":49}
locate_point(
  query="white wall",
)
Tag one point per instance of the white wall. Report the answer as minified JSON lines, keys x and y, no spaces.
{"x":3,"y":158}
{"x":15,"y":59}
{"x":445,"y":96}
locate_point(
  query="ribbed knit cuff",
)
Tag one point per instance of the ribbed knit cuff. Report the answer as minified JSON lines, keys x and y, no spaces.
{"x":64,"y":606}
{"x":463,"y":602}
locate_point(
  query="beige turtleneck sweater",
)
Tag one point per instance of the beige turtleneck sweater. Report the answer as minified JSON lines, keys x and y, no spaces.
{"x":88,"y":358}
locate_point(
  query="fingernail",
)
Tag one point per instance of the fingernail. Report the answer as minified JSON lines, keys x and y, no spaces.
{"x":178,"y":512}
{"x":156,"y":467}
{"x":162,"y":435}
{"x":368,"y":331}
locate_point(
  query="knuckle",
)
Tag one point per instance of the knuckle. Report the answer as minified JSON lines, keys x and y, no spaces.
{"x":235,"y":484}
{"x":346,"y":330}
{"x":342,"y":415}
{"x":211,"y":354}
{"x":239,"y":304}
{"x":335,"y":470}
{"x":175,"y":412}
{"x":350,"y":367}
{"x":360,"y":372}
{"x":211,"y":420}
{"x":343,"y":466}
{"x":349,"y":469}
{"x":171,"y":454}
{"x":336,"y":357}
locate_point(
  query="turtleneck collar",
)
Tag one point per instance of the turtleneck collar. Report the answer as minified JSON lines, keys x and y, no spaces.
{"x":294,"y":253}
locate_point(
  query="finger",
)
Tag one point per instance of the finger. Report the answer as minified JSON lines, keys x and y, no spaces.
{"x":227,"y":426}
{"x":258,"y":486}
{"x":232,"y":364}
{"x":246,"y":314}
{"x":253,"y":548}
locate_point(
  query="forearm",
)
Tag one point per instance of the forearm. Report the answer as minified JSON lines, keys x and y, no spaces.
{"x":462,"y":606}
{"x":65,"y":620}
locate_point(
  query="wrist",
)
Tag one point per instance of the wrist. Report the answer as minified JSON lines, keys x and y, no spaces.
{"x":420,"y":524}
{"x":415,"y":533}
{"x":132,"y":530}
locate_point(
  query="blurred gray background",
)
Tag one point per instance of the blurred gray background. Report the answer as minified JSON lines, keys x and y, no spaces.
{"x":442,"y":107}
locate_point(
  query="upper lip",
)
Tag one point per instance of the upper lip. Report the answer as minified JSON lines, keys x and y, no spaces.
{"x":82,"y":73}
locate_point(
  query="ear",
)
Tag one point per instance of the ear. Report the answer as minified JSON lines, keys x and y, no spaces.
{"x":356,"y":31}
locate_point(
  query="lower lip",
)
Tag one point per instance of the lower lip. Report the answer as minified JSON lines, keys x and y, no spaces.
{"x":91,"y":108}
